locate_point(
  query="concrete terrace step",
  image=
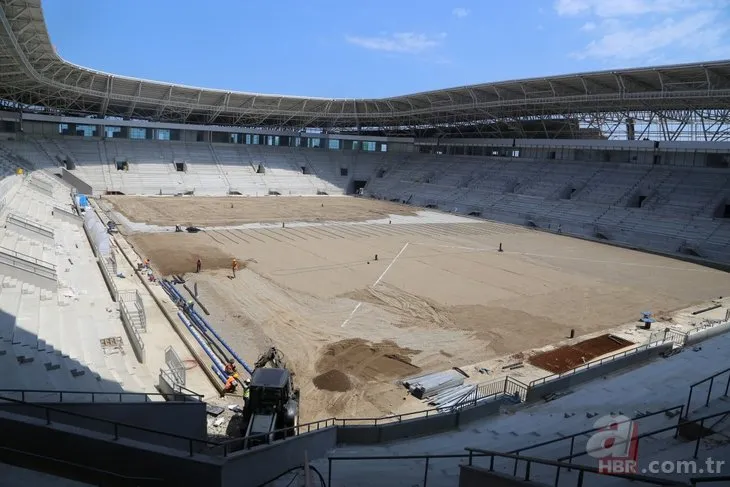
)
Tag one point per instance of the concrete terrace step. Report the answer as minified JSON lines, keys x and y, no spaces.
{"x":10,"y":298}
{"x":26,"y":323}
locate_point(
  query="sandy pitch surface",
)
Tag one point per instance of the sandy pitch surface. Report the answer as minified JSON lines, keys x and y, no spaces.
{"x":438,"y":296}
{"x":228,"y":211}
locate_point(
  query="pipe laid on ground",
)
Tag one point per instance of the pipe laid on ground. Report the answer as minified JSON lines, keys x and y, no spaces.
{"x":222,"y":342}
{"x":217,"y":365}
{"x":202,"y":306}
{"x":194,"y":314}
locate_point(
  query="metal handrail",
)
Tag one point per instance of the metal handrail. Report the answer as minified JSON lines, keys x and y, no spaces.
{"x":706,"y":480}
{"x":709,"y":390}
{"x":93,"y":394}
{"x":592,"y":430}
{"x":399,"y":457}
{"x":582,"y":469}
{"x":47,"y":231}
{"x":115,"y":478}
{"x":28,"y":258}
{"x":682,"y":422}
{"x":595,"y":363}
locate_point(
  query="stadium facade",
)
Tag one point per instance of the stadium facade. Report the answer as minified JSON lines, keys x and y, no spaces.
{"x":638,"y":157}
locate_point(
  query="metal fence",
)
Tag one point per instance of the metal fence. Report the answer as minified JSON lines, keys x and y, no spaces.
{"x":175,"y":365}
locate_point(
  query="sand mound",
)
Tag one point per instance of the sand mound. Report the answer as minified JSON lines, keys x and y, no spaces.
{"x":368,"y":361}
{"x":332,"y":380}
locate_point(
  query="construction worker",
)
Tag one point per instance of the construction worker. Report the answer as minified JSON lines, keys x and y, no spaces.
{"x":147,"y":263}
{"x":198,"y":265}
{"x":246,"y":390}
{"x":191,"y":303}
{"x":234,"y":267}
{"x":231,"y":383}
{"x":230,"y":367}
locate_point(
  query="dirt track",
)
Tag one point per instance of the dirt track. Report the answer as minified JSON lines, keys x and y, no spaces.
{"x":449,"y":299}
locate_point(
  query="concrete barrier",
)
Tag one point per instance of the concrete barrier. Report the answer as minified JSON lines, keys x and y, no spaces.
{"x":706,"y":333}
{"x":67,"y":216}
{"x":186,"y":419}
{"x":30,"y":229}
{"x":258,"y":466}
{"x":81,"y":186}
{"x":102,"y":451}
{"x":28,"y":270}
{"x":539,"y":391}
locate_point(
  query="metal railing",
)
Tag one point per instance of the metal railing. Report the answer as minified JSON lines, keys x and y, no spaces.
{"x":426,"y":464}
{"x":572,"y":437}
{"x":676,"y":427}
{"x":29,"y":259}
{"x":26,"y":265}
{"x":708,"y":480}
{"x":560,"y":465}
{"x":596,"y":363}
{"x":52,"y":465}
{"x":31,"y":225}
{"x":36,"y":395}
{"x":176,"y":366}
{"x":711,"y":379}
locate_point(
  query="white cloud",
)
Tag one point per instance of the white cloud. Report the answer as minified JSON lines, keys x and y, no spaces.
{"x":620,"y":8}
{"x":643,"y":31}
{"x":401,"y":42}
{"x":588,"y":26}
{"x":460,"y":12}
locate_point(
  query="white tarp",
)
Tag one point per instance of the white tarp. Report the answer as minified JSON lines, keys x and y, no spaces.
{"x":97,"y":233}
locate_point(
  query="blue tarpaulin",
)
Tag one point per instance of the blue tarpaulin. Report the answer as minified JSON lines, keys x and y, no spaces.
{"x":82,"y":201}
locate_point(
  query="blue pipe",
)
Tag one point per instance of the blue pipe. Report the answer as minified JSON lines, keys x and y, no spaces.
{"x":202,"y":320}
{"x":217,"y":365}
{"x":205,"y":326}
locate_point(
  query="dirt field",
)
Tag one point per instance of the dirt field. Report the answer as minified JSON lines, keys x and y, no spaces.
{"x":438,"y":296}
{"x":210,"y":211}
{"x":569,"y":357}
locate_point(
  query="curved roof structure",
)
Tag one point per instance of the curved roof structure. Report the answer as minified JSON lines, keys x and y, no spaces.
{"x":32,"y":73}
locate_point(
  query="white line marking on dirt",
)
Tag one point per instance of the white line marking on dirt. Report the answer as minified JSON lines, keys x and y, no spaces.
{"x":351,"y":315}
{"x":344,"y":323}
{"x":391,"y":264}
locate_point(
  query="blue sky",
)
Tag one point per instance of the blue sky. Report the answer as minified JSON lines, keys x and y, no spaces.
{"x":380,"y":48}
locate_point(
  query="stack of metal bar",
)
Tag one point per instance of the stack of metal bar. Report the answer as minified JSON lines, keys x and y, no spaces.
{"x":429,"y":385}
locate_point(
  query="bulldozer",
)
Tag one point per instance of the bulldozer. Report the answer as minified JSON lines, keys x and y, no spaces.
{"x":272,"y":408}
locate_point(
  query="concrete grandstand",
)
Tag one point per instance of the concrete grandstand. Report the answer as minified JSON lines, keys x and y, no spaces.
{"x":101,"y":383}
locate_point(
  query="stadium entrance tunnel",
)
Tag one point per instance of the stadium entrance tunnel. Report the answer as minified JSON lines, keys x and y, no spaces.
{"x":601,"y":236}
{"x":357,"y":186}
{"x":234,"y":193}
{"x":274,"y":193}
{"x":531,"y":224}
{"x":475,"y":213}
{"x":114,"y":193}
{"x":180,"y":166}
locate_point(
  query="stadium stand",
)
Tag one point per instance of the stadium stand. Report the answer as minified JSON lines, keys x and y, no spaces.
{"x":659,"y":208}
{"x":82,"y":338}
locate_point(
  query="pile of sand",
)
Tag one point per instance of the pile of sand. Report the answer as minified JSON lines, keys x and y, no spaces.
{"x":333,"y":380}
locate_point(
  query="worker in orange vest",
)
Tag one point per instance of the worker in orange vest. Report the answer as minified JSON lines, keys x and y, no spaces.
{"x":234,"y":267}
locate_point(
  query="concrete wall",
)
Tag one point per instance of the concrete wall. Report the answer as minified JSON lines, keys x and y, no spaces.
{"x":35,"y":231}
{"x":122,"y":456}
{"x":28,"y":272}
{"x":382,"y":433}
{"x":471,"y":476}
{"x":184,"y":419}
{"x":67,"y":216}
{"x":254,"y":467}
{"x":77,"y":183}
{"x":538,"y":392}
{"x":707,"y":333}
